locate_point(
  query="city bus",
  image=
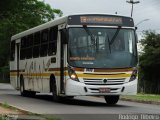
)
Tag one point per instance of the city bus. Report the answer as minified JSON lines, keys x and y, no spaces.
{"x":76,"y":55}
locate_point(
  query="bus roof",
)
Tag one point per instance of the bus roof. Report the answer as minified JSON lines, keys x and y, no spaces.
{"x":40,"y":27}
{"x":80,"y":19}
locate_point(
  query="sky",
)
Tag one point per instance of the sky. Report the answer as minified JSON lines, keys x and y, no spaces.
{"x":146,"y":9}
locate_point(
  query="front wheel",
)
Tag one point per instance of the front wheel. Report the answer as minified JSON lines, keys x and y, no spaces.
{"x":55,"y":97}
{"x":111,"y":100}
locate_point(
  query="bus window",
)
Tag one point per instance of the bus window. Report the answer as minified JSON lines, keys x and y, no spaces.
{"x":12,"y":51}
{"x":53,"y":41}
{"x":29,"y":46}
{"x":36,"y":46}
{"x":23,"y":48}
{"x":37,"y":38}
{"x":44,"y":43}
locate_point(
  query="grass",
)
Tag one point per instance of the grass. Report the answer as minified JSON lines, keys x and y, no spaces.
{"x":147,"y":98}
{"x":7,"y":106}
{"x":48,"y":118}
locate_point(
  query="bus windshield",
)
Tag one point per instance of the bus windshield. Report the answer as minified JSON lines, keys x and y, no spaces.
{"x":94,"y":47}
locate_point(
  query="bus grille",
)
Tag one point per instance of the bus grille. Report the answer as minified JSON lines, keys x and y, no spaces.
{"x":118,"y":81}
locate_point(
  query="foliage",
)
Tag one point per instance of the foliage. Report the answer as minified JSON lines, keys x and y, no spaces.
{"x":49,"y":118}
{"x":150,"y":63}
{"x":20,"y":15}
{"x":5,"y":105}
{"x":145,"y":98}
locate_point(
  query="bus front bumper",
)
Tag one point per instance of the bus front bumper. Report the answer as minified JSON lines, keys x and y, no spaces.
{"x":74,"y":88}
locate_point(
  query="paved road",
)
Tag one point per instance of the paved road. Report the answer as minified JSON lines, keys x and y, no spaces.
{"x":43,"y":104}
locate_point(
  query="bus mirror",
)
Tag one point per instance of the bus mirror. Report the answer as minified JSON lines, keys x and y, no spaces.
{"x":64,"y":36}
{"x":136,"y":28}
{"x":137,"y":38}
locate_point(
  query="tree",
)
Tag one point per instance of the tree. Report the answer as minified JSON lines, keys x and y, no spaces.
{"x":150,"y":63}
{"x":20,"y":15}
{"x":17,"y":16}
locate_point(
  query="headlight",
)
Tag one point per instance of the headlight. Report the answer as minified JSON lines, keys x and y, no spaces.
{"x":134,"y":75}
{"x":72,"y":74}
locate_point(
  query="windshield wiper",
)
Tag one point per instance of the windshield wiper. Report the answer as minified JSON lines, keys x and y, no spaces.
{"x":90,"y":34}
{"x":115,"y":35}
{"x":109,"y":44}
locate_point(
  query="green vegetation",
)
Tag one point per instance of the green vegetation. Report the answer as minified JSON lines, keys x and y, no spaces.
{"x":49,"y":118}
{"x":149,"y":62}
{"x":4,"y":75}
{"x":5,"y":105}
{"x":7,"y":118}
{"x":28,"y":114}
{"x":17,"y":16}
{"x":146,"y":98}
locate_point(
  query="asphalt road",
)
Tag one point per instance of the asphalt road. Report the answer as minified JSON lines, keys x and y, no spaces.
{"x":93,"y":107}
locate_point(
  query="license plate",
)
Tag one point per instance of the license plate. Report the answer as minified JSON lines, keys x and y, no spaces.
{"x":104,"y":90}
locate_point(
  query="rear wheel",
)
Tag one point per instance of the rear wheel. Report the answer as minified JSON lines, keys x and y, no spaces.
{"x":111,"y":100}
{"x":24,"y":92}
{"x":70,"y":97}
{"x":31,"y":93}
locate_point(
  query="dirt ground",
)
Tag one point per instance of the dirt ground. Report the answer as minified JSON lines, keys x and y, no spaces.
{"x":14,"y":114}
{"x":8,"y":111}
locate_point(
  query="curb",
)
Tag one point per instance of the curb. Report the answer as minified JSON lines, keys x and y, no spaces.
{"x":26,"y":115}
{"x":140,"y":101}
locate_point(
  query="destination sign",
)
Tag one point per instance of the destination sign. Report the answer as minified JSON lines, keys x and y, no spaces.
{"x":109,"y":20}
{"x":101,"y":19}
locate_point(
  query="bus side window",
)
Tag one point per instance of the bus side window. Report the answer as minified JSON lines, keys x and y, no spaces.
{"x":29,"y":46}
{"x":53,"y":41}
{"x":12,"y":51}
{"x":23,"y":48}
{"x":36,"y":46}
{"x":44,"y":43}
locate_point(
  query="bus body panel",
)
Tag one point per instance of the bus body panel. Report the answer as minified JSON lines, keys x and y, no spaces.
{"x":74,"y":88}
{"x":90,"y":83}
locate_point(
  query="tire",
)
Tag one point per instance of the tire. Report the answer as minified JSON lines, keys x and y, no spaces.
{"x":70,"y":97}
{"x":31,"y":93}
{"x":53,"y":85}
{"x":111,"y":100}
{"x":24,"y":92}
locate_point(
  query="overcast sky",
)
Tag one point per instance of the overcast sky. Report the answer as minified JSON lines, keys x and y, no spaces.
{"x":146,"y":9}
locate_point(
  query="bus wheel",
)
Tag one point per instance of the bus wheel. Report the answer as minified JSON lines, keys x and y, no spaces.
{"x":23,"y":91}
{"x":55,"y":97}
{"x":31,"y":93}
{"x":70,"y":97}
{"x":111,"y":100}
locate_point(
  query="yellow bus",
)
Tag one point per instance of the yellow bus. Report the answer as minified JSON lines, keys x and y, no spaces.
{"x":76,"y":55}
